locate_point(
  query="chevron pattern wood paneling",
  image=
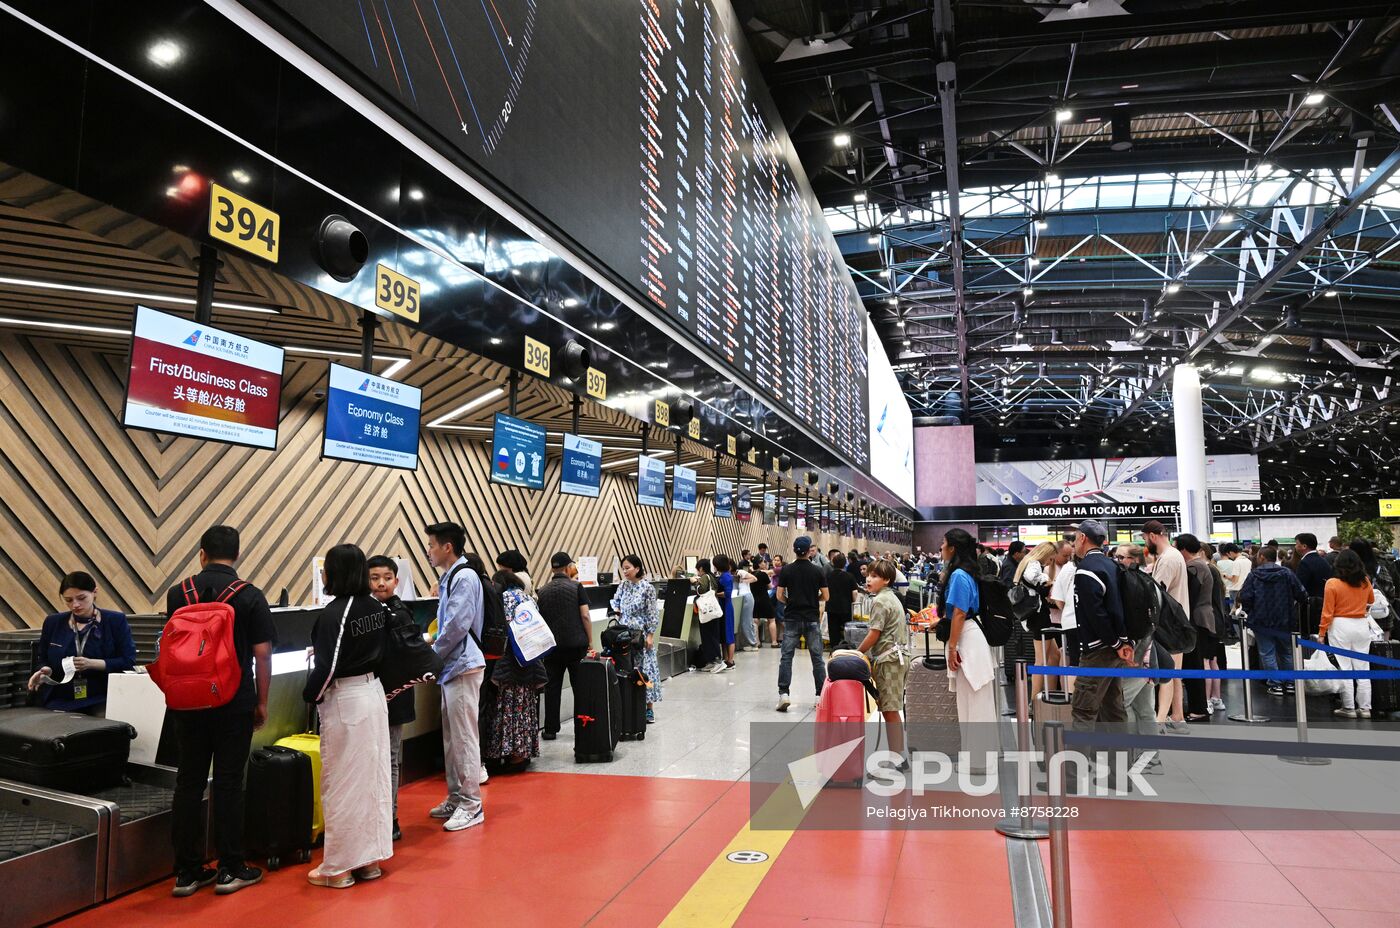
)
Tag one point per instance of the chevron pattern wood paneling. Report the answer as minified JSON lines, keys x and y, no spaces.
{"x":82,"y":493}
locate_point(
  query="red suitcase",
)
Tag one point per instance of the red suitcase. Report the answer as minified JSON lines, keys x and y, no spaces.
{"x":840,"y":720}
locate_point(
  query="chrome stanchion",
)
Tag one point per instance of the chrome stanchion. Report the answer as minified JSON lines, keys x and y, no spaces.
{"x":1300,"y":698}
{"x":1248,"y":715}
{"x":1060,"y":906}
{"x":1018,"y":826}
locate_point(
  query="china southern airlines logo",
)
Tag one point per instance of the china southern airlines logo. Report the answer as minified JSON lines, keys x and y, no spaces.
{"x":364,"y":387}
{"x":382,"y":389}
{"x":194,"y":337}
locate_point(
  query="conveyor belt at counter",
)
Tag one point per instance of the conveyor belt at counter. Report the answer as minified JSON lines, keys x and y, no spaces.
{"x":137,"y":800}
{"x":24,"y":834}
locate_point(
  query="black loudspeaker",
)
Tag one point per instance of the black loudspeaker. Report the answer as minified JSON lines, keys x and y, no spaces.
{"x":341,"y":249}
{"x":833,"y":487}
{"x":785,"y":463}
{"x":850,"y":495}
{"x":682,"y":411}
{"x":743,"y":442}
{"x":811,"y":478}
{"x":577,"y":359}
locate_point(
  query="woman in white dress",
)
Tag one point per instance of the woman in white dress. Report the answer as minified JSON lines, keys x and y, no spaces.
{"x":971,"y":666}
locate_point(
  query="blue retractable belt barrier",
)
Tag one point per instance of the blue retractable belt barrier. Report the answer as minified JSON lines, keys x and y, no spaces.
{"x":1173,"y":674}
{"x":1354,"y":655}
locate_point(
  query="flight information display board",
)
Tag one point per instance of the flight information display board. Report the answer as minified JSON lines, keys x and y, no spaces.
{"x":649,"y":116}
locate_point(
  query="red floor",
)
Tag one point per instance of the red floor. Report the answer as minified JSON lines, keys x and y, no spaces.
{"x":576,"y":849}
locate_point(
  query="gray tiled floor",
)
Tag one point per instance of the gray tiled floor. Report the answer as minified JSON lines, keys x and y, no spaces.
{"x":702,"y":723}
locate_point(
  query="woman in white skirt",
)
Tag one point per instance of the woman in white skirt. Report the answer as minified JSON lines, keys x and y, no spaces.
{"x":971,"y":666}
{"x":356,"y":792}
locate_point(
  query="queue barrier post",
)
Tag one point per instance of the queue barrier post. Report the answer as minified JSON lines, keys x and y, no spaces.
{"x":1060,"y":906}
{"x":1248,"y":714}
{"x":1300,"y":702}
{"x":1018,"y":826}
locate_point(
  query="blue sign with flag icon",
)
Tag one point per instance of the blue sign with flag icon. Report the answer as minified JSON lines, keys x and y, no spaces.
{"x":517,"y":457}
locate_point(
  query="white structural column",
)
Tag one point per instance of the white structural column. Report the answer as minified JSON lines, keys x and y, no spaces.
{"x":1190,"y":451}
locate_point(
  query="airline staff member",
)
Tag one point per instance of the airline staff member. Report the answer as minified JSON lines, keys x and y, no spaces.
{"x":97,"y":640}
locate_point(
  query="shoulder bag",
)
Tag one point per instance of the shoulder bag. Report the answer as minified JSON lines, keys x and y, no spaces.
{"x":408,"y":659}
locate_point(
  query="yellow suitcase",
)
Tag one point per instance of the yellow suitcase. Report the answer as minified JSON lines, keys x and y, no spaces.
{"x":310,"y":745}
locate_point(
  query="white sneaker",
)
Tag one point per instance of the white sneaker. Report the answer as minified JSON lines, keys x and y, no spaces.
{"x":485,"y":777}
{"x":1218,"y":703}
{"x":463,"y":819}
{"x":716,"y":667}
{"x":783,"y":702}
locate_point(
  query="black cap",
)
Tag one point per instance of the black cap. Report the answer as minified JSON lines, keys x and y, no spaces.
{"x":560,"y":560}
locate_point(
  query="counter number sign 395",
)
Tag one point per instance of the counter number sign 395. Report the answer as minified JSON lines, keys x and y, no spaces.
{"x":238,"y":221}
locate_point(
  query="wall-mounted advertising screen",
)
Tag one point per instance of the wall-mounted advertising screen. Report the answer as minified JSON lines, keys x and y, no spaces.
{"x":651,"y":481}
{"x":724,"y":498}
{"x":683,"y":491}
{"x":188,"y":378}
{"x":891,"y":423}
{"x":581,"y":472}
{"x":371,"y":420}
{"x":1109,"y":480}
{"x":517,"y":457}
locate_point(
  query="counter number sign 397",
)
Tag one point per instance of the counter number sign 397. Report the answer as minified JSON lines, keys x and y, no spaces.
{"x":238,"y":221}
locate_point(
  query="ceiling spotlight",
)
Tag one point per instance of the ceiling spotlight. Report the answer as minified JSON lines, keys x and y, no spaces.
{"x":1027,"y":291}
{"x":1052,"y":178}
{"x":873,"y":240}
{"x":1198,"y":256}
{"x":1034,"y":261}
{"x":240,"y":176}
{"x":165,"y":53}
{"x":901,"y":323}
{"x":1264,"y":168}
{"x":860,"y":196}
{"x":606,"y":326}
{"x":906,"y":343}
{"x":1064,"y":114}
{"x":1173,"y":287}
{"x":1019,"y":336}
{"x":892,"y":300}
{"x":1227,"y":217}
{"x":1040,"y":223}
{"x":1329,"y":293}
{"x":1315,"y":98}
{"x":415,"y":195}
{"x":570,"y":302}
{"x":841,"y":139}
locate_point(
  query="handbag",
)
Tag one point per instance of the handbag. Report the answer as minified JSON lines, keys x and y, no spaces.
{"x":1025,"y":602}
{"x":621,"y":639}
{"x":707,"y":606}
{"x":530,"y":637}
{"x":408,"y":659}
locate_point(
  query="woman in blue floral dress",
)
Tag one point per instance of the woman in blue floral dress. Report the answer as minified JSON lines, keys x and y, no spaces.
{"x":635,"y":605}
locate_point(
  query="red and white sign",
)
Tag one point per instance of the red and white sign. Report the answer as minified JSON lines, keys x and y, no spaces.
{"x":196,"y":380}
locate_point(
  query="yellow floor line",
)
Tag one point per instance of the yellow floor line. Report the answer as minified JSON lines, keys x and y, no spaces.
{"x":718,"y":897}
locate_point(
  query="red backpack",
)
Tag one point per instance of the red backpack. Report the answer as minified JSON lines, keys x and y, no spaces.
{"x":198,"y":667}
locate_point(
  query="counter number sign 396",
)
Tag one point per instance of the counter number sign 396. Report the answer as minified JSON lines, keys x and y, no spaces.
{"x":238,"y":221}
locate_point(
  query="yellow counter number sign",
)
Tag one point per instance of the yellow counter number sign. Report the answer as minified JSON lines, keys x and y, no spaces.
{"x":732,"y":444}
{"x":395,"y":293}
{"x":536,"y":357}
{"x":776,"y":462}
{"x":663,"y":414}
{"x":240,"y":222}
{"x":597,"y":384}
{"x":1390,"y":508}
{"x":694,"y":428}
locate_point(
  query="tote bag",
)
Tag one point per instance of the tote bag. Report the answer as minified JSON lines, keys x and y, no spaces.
{"x":707,"y":606}
{"x":408,"y":659}
{"x":530,"y":637}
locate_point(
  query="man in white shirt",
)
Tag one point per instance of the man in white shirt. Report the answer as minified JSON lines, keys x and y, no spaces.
{"x":1062,"y":611}
{"x":1234,"y":568}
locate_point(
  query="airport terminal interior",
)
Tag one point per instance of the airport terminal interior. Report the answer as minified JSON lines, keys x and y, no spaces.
{"x":688,"y":463}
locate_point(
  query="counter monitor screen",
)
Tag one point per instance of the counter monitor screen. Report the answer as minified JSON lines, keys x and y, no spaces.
{"x":517,"y":455}
{"x":371,"y":420}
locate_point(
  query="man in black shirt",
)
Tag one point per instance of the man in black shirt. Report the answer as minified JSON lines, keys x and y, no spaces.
{"x":1006,"y":574}
{"x":841,"y":592}
{"x":802,"y":590}
{"x":563,"y":604}
{"x":223,"y":734}
{"x":1313,"y":573}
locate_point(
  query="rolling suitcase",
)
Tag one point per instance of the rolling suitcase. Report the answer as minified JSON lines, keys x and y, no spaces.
{"x":63,"y":750}
{"x":597,"y":711}
{"x":855,"y":633}
{"x":840,"y":720}
{"x":632,"y":698}
{"x":309,"y":744}
{"x":278,"y":807}
{"x":931,"y":706}
{"x":1051,"y":705}
{"x":1385,"y":694}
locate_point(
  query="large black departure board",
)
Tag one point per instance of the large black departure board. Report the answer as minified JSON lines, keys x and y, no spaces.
{"x":642,"y":130}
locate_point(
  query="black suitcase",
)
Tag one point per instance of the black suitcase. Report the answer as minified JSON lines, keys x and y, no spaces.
{"x":597,"y":711}
{"x":1385,"y":694}
{"x":63,"y":750}
{"x":632,"y":691}
{"x":278,"y":806}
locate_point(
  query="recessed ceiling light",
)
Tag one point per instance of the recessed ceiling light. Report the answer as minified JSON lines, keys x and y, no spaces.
{"x":164,"y":53}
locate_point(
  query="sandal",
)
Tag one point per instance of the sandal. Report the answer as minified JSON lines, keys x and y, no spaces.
{"x":371,"y":872}
{"x":339,"y":881}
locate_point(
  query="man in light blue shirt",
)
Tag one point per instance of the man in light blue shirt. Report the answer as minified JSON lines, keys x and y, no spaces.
{"x":458,"y":642}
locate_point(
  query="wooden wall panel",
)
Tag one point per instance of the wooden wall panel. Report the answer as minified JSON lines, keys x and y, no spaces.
{"x":79,"y":492}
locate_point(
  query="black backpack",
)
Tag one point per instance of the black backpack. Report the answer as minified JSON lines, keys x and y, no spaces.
{"x":994,"y":614}
{"x":1142,"y":602}
{"x":495,"y":631}
{"x":1174,"y":630}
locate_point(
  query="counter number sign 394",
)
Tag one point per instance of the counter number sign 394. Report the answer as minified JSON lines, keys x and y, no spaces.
{"x":238,"y":221}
